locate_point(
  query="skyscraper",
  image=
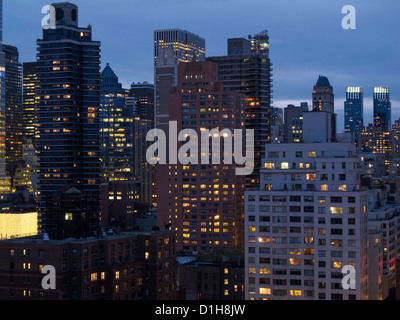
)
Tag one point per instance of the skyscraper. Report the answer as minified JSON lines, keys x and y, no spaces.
{"x":202,"y":202}
{"x":30,"y":83}
{"x":14,"y":111}
{"x":319,"y":125}
{"x":354,"y":111}
{"x":171,"y":46}
{"x":323,"y":97}
{"x":3,"y":178}
{"x":68,"y":142}
{"x":382,"y":108}
{"x":293,"y":127}
{"x":144,"y":100}
{"x":247,"y":69}
{"x":116,"y":119}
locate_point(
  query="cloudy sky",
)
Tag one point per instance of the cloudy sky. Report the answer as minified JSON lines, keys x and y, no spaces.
{"x":307,"y":39}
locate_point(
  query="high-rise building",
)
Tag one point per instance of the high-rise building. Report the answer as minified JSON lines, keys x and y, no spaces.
{"x":116,"y":119}
{"x":202,"y":202}
{"x":5,"y":183}
{"x":323,"y":97}
{"x":30,"y":83}
{"x":320,"y":124}
{"x":247,"y":69}
{"x":171,"y":46}
{"x":142,"y":169}
{"x":382,"y":108}
{"x":144,"y":100}
{"x":375,"y":140}
{"x":68,"y":139}
{"x":14,"y":111}
{"x":293,"y":123}
{"x":354,"y":111}
{"x":306,"y":223}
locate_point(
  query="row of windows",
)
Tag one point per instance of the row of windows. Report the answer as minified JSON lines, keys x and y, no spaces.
{"x":298,"y":198}
{"x":299,"y":209}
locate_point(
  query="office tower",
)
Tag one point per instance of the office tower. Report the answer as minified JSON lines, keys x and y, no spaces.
{"x":123,"y":266}
{"x":293,"y":123}
{"x":30,"y":83}
{"x":354,"y":111}
{"x":171,"y":46}
{"x":307,"y":222}
{"x":144,"y":97}
{"x":116,"y":119}
{"x":68,"y":139}
{"x":323,"y":97}
{"x":319,"y":125}
{"x":382,"y":108}
{"x":14,"y":111}
{"x":142,"y":169}
{"x":202,"y":202}
{"x":247,"y":69}
{"x":5,"y":182}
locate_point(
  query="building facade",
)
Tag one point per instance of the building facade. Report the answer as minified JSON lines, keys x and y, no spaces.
{"x":68,"y":140}
{"x":131,"y":266}
{"x":382,"y":108}
{"x":30,"y":83}
{"x":171,"y":46}
{"x":354,"y":111}
{"x":202,"y":200}
{"x":116,"y":121}
{"x":307,"y":221}
{"x":14,"y":111}
{"x":247,"y":69}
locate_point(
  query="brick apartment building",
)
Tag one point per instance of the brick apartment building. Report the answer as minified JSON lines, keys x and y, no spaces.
{"x":125,"y":266}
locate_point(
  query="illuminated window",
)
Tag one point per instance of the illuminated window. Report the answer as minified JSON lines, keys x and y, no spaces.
{"x":342,"y":187}
{"x":295,"y":262}
{"x":265,"y":291}
{"x":312,"y":154}
{"x":252,"y":270}
{"x":336,"y":264}
{"x":117,"y":275}
{"x":295,"y":293}
{"x":68,"y":216}
{"x":336,"y":210}
{"x":324,"y":187}
{"x":265,"y":271}
{"x":270,"y":166}
{"x":284,"y":165}
{"x":93,"y":276}
{"x":310,"y":177}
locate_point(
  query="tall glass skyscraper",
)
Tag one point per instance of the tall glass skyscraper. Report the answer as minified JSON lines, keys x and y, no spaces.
{"x":382,"y":108}
{"x":354,"y":111}
{"x":30,"y":84}
{"x":116,"y":118}
{"x":2,"y":99}
{"x":14,"y":112}
{"x":68,"y":143}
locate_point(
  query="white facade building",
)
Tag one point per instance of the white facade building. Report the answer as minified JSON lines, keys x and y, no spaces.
{"x":307,"y":221}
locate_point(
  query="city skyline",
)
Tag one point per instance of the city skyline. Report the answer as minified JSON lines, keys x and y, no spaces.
{"x":346,"y":57}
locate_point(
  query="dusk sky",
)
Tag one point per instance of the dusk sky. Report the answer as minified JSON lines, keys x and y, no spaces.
{"x":307,"y":39}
